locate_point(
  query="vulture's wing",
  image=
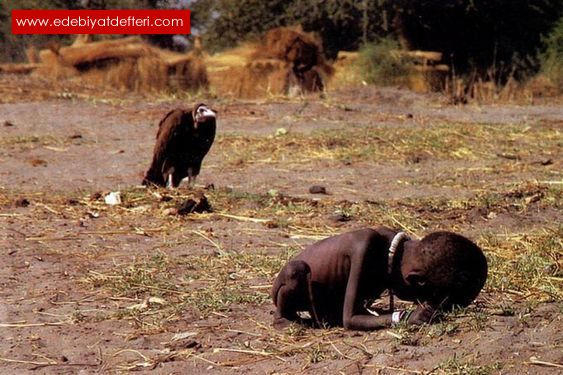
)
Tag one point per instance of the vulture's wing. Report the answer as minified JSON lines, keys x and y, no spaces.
{"x":171,"y":131}
{"x":163,"y":121}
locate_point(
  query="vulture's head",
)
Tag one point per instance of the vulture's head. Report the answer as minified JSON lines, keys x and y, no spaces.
{"x":202,"y":114}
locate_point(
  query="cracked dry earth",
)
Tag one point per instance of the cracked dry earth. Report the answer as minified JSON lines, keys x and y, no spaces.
{"x":90,"y":288}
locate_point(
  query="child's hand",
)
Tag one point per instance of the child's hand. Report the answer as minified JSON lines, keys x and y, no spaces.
{"x":422,"y":314}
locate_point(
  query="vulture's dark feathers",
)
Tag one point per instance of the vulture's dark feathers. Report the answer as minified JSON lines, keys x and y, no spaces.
{"x":182,"y":141}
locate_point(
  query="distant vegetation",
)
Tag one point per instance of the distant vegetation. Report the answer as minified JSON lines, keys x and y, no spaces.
{"x":379,"y":65}
{"x":473,"y":35}
{"x":12,"y":47}
{"x":552,"y":57}
{"x":515,"y":38}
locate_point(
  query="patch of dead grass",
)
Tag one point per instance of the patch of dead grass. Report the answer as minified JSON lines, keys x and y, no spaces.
{"x":164,"y":287}
{"x":442,"y":141}
{"x":155,"y":291}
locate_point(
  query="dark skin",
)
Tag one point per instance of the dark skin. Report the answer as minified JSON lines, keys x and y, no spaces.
{"x":333,"y":278}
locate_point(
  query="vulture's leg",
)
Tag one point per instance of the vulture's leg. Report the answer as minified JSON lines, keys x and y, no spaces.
{"x":168,"y":174}
{"x":169,"y":183}
{"x":191,"y":177}
{"x":191,"y":181}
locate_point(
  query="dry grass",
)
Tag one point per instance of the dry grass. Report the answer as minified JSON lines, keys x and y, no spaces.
{"x":442,"y":141}
{"x":527,"y":265}
{"x":523,"y":266}
{"x":265,"y":69}
{"x":126,"y":64}
{"x":490,"y":90}
{"x":218,"y":277}
{"x":29,"y":142}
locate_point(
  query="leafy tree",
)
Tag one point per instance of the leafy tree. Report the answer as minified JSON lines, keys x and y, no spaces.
{"x":12,"y":47}
{"x":552,"y":57}
{"x":474,"y":35}
{"x":478,"y":34}
{"x":342,"y":24}
{"x":225,"y":23}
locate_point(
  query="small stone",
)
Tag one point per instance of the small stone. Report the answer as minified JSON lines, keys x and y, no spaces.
{"x":340,"y":217}
{"x":21,"y":202}
{"x":38,"y":162}
{"x":170,"y":211}
{"x":187,"y":207}
{"x":271,"y":224}
{"x":95,"y":196}
{"x":317,"y":189}
{"x":193,"y":206}
{"x":73,"y":201}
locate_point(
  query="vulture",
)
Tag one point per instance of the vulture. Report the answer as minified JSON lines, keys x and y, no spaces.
{"x":182,"y":141}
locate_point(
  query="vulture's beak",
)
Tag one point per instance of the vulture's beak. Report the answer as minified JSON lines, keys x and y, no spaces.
{"x":203,"y":114}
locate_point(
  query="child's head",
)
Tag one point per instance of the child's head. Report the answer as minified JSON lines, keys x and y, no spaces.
{"x":444,"y":268}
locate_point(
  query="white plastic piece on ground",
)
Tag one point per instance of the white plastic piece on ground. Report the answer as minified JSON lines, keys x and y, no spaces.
{"x":280,"y":132}
{"x":113,"y":198}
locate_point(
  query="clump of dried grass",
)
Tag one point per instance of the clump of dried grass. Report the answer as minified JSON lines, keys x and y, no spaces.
{"x":441,"y":141}
{"x":127,"y":63}
{"x":462,"y":90}
{"x":285,"y":61}
{"x":527,"y":265}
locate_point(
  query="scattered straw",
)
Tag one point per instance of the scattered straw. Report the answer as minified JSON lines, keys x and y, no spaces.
{"x":131,"y":351}
{"x":243,"y":218}
{"x":214,"y":243}
{"x":23,"y":325}
{"x":51,"y":362}
{"x":536,"y":361}
{"x":245,"y":351}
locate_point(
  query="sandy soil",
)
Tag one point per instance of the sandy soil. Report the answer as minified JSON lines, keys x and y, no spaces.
{"x":78,"y":275}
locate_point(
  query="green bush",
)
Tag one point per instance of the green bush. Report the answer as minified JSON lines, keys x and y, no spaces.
{"x":552,"y":57}
{"x":380,"y":65}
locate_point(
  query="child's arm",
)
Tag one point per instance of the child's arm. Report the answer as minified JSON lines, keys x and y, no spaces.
{"x":423,"y":314}
{"x":354,"y":315}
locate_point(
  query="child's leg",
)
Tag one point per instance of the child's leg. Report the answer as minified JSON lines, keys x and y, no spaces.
{"x":292,"y":293}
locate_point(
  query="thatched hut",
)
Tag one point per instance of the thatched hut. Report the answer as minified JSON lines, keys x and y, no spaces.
{"x":285,"y":62}
{"x":127,"y":63}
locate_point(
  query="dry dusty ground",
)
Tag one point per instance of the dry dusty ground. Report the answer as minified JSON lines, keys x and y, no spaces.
{"x":86,"y":287}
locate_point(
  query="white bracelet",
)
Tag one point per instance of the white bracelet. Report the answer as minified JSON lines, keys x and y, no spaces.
{"x":396,"y":317}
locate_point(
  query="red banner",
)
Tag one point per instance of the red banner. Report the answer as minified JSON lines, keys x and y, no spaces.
{"x":101,"y":21}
